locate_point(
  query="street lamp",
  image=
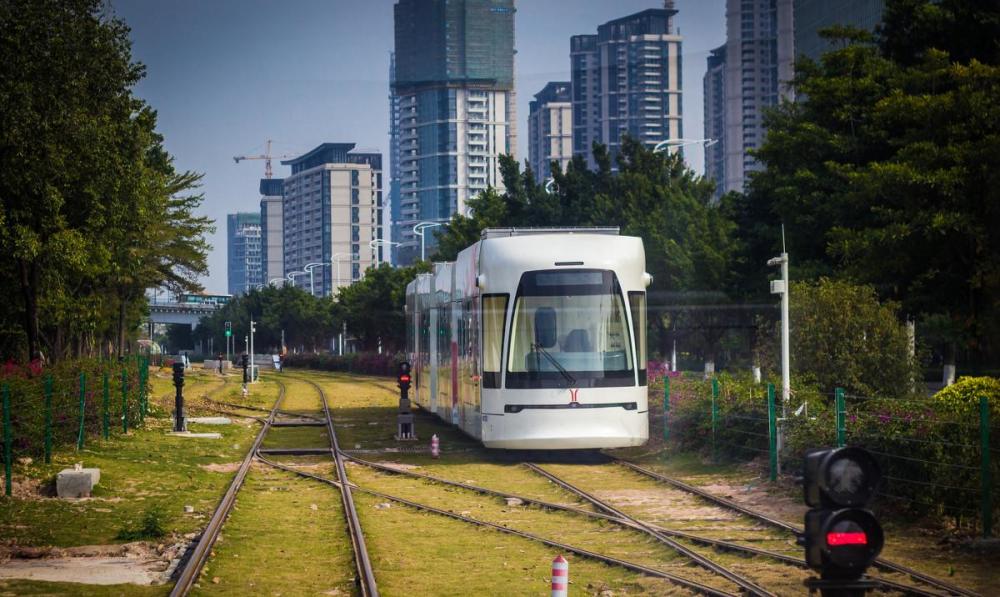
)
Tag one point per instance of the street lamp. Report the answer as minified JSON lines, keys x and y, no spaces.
{"x":273,"y":280}
{"x":291,"y":276}
{"x":668,"y":143}
{"x":309,"y":268}
{"x":380,"y":242}
{"x":550,"y":185}
{"x":419,"y":229}
{"x":336,"y":257}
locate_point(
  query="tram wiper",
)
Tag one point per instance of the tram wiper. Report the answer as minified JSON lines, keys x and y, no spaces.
{"x":569,"y":378}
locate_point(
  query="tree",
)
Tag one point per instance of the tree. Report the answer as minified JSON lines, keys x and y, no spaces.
{"x":373,"y":306}
{"x":842,"y":336}
{"x":887,"y":171}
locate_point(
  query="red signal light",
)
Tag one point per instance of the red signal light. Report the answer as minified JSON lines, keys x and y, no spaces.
{"x":404,"y":378}
{"x":836,"y":539}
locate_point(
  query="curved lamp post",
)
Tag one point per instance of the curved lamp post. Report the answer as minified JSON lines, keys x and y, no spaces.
{"x":309,"y":268}
{"x":668,"y":143}
{"x":291,"y":276}
{"x":550,"y":185}
{"x":380,"y":242}
{"x":419,"y":229}
{"x":272,"y":281}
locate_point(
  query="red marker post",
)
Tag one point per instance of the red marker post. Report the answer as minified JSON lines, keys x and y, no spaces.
{"x":560,"y":577}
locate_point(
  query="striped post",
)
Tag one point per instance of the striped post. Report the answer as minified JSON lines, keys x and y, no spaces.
{"x":560,"y":577}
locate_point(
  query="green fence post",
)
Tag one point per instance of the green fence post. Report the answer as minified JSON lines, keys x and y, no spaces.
{"x":140,"y":373}
{"x":124,"y":401}
{"x":986,"y":482}
{"x":841,"y":409}
{"x":772,"y":432}
{"x":666,"y":408}
{"x":83,"y":410}
{"x":715,"y":416}
{"x":107,"y":408}
{"x":8,"y":457}
{"x":48,"y":419}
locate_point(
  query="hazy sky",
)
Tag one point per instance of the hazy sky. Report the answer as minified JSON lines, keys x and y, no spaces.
{"x":225,"y":75}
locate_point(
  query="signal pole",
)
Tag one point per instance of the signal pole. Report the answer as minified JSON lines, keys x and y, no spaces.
{"x":252,"y":366}
{"x":781,"y":287}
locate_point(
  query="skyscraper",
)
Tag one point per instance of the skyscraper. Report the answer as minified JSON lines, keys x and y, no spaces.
{"x":812,"y":16}
{"x":272,"y":229}
{"x":243,"y":252}
{"x":454,"y":87}
{"x":714,"y":95}
{"x":550,"y":128}
{"x":758,"y":66}
{"x":332,"y":212}
{"x":627,"y":80}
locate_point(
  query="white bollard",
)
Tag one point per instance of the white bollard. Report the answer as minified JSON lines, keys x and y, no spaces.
{"x":435,"y":446}
{"x":560,"y":577}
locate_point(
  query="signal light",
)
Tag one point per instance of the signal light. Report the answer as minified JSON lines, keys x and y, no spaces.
{"x":403,"y":377}
{"x":841,"y":537}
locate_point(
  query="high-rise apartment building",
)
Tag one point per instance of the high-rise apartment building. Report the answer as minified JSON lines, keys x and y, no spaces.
{"x":627,"y":80}
{"x":812,"y":16}
{"x":453,"y":86}
{"x":244,"y":270}
{"x":272,"y":230}
{"x":550,"y":129}
{"x":714,"y":96}
{"x":332,"y":212}
{"x":759,"y":65}
{"x":394,"y":170}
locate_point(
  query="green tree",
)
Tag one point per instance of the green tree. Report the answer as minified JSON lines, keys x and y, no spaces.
{"x":842,"y":336}
{"x":373,"y":306}
{"x":888,"y":168}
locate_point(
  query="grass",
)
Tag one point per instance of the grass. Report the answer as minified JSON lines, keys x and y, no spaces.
{"x":286,"y":535}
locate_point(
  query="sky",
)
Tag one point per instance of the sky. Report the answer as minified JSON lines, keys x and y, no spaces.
{"x":226,"y":75}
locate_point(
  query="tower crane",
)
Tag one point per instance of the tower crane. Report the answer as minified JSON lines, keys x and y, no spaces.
{"x":266,"y":156}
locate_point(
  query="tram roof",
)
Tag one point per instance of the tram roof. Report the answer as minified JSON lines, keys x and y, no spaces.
{"x":505,"y":232}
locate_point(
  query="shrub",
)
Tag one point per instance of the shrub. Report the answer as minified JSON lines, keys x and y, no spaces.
{"x":962,"y":397}
{"x":150,"y":528}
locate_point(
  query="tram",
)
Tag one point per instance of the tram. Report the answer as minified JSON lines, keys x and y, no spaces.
{"x":535,"y":338}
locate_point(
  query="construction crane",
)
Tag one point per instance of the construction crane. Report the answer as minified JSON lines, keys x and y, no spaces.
{"x":266,"y":156}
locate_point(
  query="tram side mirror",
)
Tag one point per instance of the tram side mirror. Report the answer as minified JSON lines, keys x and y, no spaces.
{"x":545,"y":327}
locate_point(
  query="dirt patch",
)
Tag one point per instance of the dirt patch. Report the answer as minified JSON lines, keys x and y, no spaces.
{"x":139,"y":563}
{"x":224,"y":467}
{"x":401,"y":466}
{"x":757,"y":497}
{"x":27,"y":488}
{"x":667,"y":504}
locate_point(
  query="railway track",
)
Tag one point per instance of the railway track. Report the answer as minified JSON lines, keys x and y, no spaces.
{"x":190,"y":572}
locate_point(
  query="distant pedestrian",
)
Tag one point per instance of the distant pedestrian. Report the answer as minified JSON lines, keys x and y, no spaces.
{"x":220,"y":363}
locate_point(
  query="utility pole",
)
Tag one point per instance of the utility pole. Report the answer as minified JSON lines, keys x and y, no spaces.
{"x":781,"y":287}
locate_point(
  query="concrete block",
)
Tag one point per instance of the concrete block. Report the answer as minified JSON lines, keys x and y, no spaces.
{"x":210,"y":420}
{"x":190,"y":435}
{"x":74,"y":483}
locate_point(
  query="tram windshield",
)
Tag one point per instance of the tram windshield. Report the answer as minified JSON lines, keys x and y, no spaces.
{"x":569,"y":330}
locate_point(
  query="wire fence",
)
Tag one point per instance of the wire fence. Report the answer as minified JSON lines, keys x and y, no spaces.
{"x":937,"y":457}
{"x":70,"y":404}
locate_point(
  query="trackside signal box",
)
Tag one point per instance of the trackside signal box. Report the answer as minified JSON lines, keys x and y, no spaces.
{"x":842,"y":537}
{"x":405,"y":429}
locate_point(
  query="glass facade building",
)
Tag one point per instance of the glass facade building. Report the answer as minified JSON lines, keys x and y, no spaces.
{"x":272,"y":229}
{"x":453,"y":109}
{"x":627,"y":80}
{"x":714,"y":96}
{"x":812,"y":16}
{"x":243,"y":249}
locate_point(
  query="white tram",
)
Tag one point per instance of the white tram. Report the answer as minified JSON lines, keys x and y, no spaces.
{"x":535,"y":339}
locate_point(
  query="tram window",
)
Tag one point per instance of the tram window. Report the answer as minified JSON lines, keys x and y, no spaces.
{"x":494,"y":312}
{"x":570,"y":328}
{"x":637,"y":303}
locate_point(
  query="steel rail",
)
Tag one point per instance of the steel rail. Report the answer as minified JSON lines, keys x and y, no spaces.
{"x":678,"y":580}
{"x":189,"y":574}
{"x":880,"y":563}
{"x":285,"y":413}
{"x":714,"y":567}
{"x":366,"y":575}
{"x":718,"y":543}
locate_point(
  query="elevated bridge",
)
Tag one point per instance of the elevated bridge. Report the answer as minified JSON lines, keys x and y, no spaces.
{"x":180,"y":313}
